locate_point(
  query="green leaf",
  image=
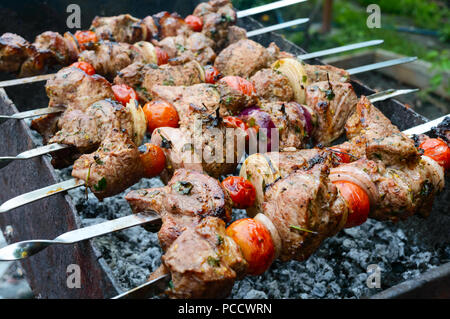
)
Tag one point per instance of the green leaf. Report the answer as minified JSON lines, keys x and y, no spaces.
{"x":101,"y":185}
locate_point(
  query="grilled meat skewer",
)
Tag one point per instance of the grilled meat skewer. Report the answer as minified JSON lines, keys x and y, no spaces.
{"x":300,"y":210}
{"x":214,"y":19}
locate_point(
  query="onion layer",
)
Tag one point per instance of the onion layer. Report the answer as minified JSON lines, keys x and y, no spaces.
{"x":148,"y":51}
{"x":358,"y":177}
{"x":294,"y":71}
{"x":263,"y":219}
{"x":438,"y":174}
{"x":139,"y":121}
{"x":260,"y":173}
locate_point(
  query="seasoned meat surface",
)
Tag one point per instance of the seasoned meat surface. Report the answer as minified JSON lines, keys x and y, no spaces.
{"x":332,"y":103}
{"x":195,"y":47}
{"x":318,"y":73}
{"x":289,"y":120}
{"x":243,"y":58}
{"x":108,"y":57}
{"x":142,"y":77}
{"x":73,"y":87}
{"x":189,"y":197}
{"x":203,"y":261}
{"x":305,"y":200}
{"x":272,"y":86}
{"x":86,"y":129}
{"x":115,"y":166}
{"x":217,"y":16}
{"x":383,"y":140}
{"x":13,"y":52}
{"x":121,"y":28}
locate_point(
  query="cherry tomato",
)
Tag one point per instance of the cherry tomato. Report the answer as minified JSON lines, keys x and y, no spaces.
{"x":241,"y":191}
{"x":357,"y":200}
{"x":212,"y":75}
{"x":194,"y":22}
{"x":239,"y":84}
{"x":235,"y":122}
{"x":123,"y":93}
{"x":85,"y":37}
{"x":153,"y":159}
{"x":161,"y":56}
{"x":160,"y":114}
{"x":341,"y":155}
{"x":86,"y":67}
{"x":438,"y":150}
{"x":255,"y":242}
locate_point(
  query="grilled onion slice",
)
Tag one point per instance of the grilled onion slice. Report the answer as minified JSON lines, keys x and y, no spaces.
{"x":201,"y":70}
{"x":276,"y":239}
{"x":294,"y":71}
{"x":358,"y":177}
{"x":148,"y":51}
{"x":438,"y":174}
{"x":139,"y":121}
{"x":260,"y":171}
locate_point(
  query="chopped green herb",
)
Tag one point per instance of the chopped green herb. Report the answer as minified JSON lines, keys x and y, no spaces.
{"x":219,"y":240}
{"x":101,"y":185}
{"x":302,"y":229}
{"x":213,"y":262}
{"x":182,"y":187}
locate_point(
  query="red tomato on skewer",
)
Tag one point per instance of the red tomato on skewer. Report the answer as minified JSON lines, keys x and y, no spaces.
{"x":86,"y":67}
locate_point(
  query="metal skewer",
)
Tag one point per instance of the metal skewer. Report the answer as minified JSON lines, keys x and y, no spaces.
{"x":28,"y":248}
{"x":267,"y":7}
{"x":32,"y":113}
{"x":147,"y":290}
{"x":73,"y":183}
{"x":5,"y":160}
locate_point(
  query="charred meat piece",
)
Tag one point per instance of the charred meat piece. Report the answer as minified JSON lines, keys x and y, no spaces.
{"x":289,"y":119}
{"x":443,"y":130}
{"x":108,"y":58}
{"x":13,"y":52}
{"x":142,"y":77}
{"x":170,"y":25}
{"x":318,"y":73}
{"x":205,"y":146}
{"x":217,"y":16}
{"x":272,"y":86}
{"x":19,"y":56}
{"x":121,"y":28}
{"x":305,"y":209}
{"x":73,"y":87}
{"x":235,"y":34}
{"x":57,"y":45}
{"x":332,"y":103}
{"x":201,"y":98}
{"x":86,"y":129}
{"x":195,"y":47}
{"x":203,"y":261}
{"x":243,"y":58}
{"x":115,"y":166}
{"x":383,"y":140}
{"x":189,"y":197}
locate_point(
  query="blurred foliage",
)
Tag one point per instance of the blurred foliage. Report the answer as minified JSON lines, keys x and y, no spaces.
{"x":349,"y":26}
